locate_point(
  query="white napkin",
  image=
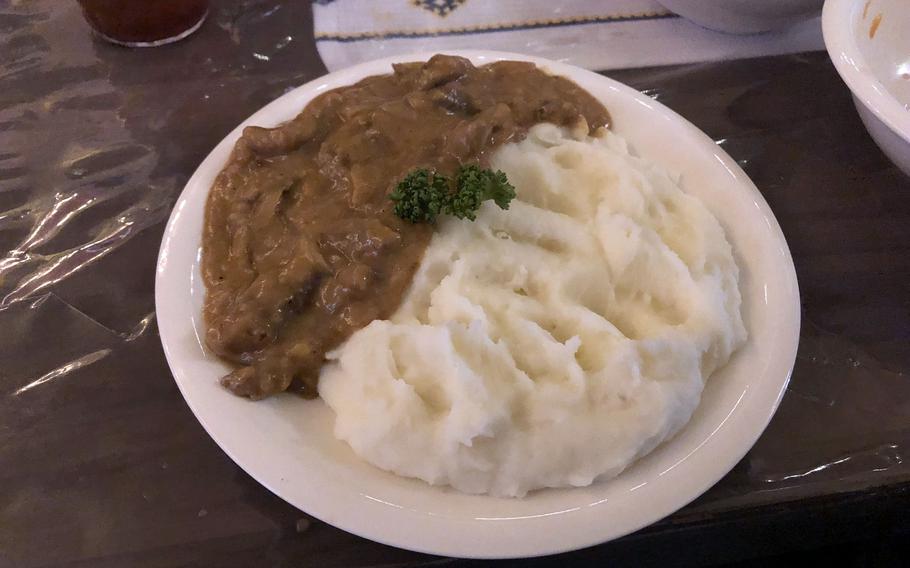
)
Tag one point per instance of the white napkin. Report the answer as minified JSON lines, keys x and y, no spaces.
{"x":597,"y":34}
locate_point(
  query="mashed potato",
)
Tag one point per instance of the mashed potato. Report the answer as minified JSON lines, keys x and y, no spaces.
{"x":551,"y":344}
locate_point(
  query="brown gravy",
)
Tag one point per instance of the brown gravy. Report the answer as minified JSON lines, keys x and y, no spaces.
{"x":300,"y":245}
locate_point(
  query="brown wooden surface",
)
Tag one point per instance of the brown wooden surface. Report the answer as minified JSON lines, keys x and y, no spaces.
{"x":102,"y":463}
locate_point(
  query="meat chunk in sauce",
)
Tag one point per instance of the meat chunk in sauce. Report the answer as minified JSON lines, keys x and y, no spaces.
{"x":300,"y":245}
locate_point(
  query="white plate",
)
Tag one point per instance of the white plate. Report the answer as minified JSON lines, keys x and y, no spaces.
{"x":286,"y":443}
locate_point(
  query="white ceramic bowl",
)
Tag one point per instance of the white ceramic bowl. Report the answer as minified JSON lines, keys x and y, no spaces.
{"x":869,"y":43}
{"x":286,"y":443}
{"x":744,"y":16}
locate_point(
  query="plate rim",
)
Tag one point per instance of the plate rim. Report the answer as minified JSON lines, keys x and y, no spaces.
{"x":534,"y":548}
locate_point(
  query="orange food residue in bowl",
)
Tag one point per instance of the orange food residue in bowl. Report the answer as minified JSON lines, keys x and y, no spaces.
{"x":876,"y":21}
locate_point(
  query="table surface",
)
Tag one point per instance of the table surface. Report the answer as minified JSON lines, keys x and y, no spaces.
{"x":102,"y":463}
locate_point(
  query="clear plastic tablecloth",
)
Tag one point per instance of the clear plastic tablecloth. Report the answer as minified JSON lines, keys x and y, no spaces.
{"x":102,"y":463}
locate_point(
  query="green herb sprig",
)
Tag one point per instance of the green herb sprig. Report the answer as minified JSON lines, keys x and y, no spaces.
{"x":423,"y":194}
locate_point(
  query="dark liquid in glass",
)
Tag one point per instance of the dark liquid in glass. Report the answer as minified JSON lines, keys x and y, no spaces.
{"x":144,"y":22}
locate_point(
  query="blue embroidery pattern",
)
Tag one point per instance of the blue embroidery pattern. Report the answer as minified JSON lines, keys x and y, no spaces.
{"x":439,"y":7}
{"x":486,"y":29}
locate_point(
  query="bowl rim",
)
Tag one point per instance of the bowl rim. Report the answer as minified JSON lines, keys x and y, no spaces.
{"x":837,"y":29}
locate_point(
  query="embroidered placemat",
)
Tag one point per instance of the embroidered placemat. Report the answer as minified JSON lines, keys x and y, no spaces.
{"x":597,"y":34}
